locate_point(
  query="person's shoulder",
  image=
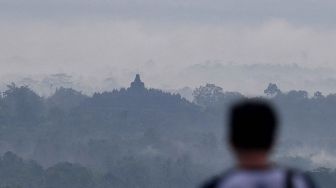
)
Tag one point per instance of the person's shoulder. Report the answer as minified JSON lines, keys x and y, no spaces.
{"x":299,"y":178}
{"x":215,"y":181}
{"x":294,"y":178}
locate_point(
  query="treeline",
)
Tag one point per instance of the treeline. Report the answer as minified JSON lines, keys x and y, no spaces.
{"x":146,"y":137}
{"x":18,"y":173}
{"x":136,"y":138}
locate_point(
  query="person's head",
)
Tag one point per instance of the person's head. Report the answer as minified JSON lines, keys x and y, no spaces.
{"x":252,"y":126}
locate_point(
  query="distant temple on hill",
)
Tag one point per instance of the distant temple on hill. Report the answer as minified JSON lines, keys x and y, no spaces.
{"x":137,"y":84}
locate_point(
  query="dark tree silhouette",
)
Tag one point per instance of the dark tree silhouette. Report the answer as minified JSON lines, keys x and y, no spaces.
{"x":272,"y":90}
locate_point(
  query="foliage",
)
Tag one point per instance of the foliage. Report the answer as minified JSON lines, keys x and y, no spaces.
{"x":138,"y":137}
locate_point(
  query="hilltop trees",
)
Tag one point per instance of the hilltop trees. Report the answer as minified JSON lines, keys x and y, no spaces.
{"x":15,"y":172}
{"x":211,"y":95}
{"x":152,"y":137}
{"x":208,"y":95}
{"x":272,"y":90}
{"x":18,"y":173}
{"x":65,"y":99}
{"x":67,"y":175}
{"x":21,"y":105}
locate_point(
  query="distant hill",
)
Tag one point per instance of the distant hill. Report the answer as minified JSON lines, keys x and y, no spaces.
{"x":152,"y":137}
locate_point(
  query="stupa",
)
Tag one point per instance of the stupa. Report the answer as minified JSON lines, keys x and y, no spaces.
{"x":137,"y":84}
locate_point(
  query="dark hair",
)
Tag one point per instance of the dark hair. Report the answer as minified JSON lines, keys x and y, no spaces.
{"x":252,"y":125}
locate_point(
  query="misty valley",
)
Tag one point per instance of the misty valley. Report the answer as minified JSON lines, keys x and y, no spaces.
{"x":138,"y":137}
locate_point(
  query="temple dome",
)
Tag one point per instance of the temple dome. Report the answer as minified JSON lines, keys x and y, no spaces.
{"x":137,"y":83}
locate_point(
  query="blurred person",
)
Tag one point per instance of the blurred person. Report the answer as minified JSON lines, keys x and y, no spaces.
{"x":252,"y":129}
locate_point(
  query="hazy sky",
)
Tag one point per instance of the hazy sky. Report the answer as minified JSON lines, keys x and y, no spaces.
{"x":164,"y":39}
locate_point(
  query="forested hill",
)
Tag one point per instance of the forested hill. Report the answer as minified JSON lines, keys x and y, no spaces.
{"x":139,"y":137}
{"x":18,"y":173}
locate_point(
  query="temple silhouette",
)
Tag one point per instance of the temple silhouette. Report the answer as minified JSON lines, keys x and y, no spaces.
{"x":137,"y":84}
